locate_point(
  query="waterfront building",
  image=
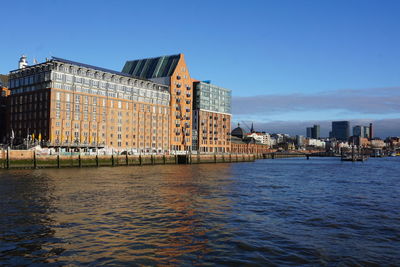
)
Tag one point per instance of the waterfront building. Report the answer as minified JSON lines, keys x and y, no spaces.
{"x":263,"y":138}
{"x":211,"y":118}
{"x":172,"y":72}
{"x":4,"y":93}
{"x":67,"y":104}
{"x":341,"y":130}
{"x":238,"y":132}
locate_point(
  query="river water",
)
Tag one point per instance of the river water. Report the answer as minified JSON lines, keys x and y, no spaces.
{"x":317,"y":212}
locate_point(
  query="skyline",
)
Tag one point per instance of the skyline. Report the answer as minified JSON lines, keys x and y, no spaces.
{"x":295,"y":62}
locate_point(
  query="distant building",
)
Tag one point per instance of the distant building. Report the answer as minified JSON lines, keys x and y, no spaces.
{"x":309,"y":132}
{"x":361,"y":131}
{"x":314,"y":132}
{"x":341,"y":130}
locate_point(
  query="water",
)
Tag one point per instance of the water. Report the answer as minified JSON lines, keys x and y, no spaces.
{"x":320,"y":212}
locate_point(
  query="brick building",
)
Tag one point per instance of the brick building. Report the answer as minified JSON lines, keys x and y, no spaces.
{"x":173,"y":72}
{"x":69,"y":104}
{"x":211,"y":118}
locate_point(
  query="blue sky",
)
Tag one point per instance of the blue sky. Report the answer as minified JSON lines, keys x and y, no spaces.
{"x":269,"y":49}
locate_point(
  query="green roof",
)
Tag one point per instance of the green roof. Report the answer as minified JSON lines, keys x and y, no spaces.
{"x":152,"y":67}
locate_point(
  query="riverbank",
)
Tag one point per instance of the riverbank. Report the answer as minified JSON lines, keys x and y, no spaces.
{"x":20,"y":159}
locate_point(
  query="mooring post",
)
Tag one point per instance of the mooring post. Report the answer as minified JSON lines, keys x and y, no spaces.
{"x":8,"y":157}
{"x":79,"y":159}
{"x":112,"y":160}
{"x":127,"y":159}
{"x":34,"y":159}
{"x":58,"y":160}
{"x":97,"y":160}
{"x":152,"y":159}
{"x":163,"y":159}
{"x":140,"y":159}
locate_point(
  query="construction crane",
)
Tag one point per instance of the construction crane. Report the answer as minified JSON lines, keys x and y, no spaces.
{"x":248,"y":128}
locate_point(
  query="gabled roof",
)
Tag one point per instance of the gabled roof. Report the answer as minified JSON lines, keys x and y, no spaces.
{"x":156,"y":67}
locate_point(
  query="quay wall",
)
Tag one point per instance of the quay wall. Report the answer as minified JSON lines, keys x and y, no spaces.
{"x":27,"y":159}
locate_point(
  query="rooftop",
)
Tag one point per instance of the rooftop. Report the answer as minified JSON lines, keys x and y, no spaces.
{"x":155,"y":67}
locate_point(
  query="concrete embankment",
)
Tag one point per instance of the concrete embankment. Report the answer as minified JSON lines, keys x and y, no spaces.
{"x":29,"y":159}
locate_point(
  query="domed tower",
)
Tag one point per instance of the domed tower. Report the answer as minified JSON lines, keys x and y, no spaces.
{"x":238,"y":132}
{"x":23,"y":63}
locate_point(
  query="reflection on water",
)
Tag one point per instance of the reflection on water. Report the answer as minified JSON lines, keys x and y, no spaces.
{"x":288,"y":211}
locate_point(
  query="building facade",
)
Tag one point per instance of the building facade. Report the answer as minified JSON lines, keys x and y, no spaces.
{"x":173,"y":72}
{"x":211,"y":118}
{"x":340,"y":130}
{"x":68,"y":104}
{"x":4,"y":93}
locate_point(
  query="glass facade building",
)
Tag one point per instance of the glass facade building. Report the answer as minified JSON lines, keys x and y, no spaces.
{"x":212,"y":98}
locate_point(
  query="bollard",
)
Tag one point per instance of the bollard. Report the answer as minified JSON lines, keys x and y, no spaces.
{"x":34,"y":160}
{"x":8,"y":158}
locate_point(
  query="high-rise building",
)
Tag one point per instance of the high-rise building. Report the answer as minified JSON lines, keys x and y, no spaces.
{"x":371,"y":131}
{"x":173,"y":72}
{"x":361,"y":131}
{"x":314,"y":132}
{"x":68,"y":104}
{"x":358,"y":131}
{"x":341,"y":130}
{"x":211,"y":118}
{"x":309,"y":132}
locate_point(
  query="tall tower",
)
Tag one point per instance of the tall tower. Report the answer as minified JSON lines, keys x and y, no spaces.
{"x":23,"y":63}
{"x":371,"y":131}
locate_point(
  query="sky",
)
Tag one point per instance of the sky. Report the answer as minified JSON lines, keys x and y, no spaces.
{"x":289,"y":64}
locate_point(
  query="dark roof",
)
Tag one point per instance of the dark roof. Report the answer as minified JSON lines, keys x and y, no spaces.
{"x":3,"y":80}
{"x":94,"y":67}
{"x":238,"y":132}
{"x":155,"y":67}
